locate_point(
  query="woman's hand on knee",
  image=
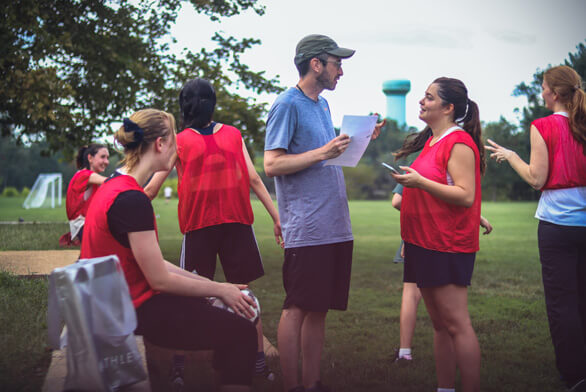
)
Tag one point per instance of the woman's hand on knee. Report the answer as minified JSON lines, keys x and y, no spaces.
{"x":238,"y":301}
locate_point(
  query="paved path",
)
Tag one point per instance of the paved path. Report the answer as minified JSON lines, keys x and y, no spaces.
{"x":55,"y":379}
{"x":36,"y":262}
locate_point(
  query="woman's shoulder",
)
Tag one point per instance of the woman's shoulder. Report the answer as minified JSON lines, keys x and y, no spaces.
{"x":83,"y":172}
{"x":460,"y":135}
{"x":229,"y":131}
{"x":229,"y":128}
{"x":81,"y":175}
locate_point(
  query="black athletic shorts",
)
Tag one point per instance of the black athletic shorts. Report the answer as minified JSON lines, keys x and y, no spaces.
{"x":191,"y":323}
{"x":317,"y":278}
{"x":430,"y":268}
{"x":236,"y":245}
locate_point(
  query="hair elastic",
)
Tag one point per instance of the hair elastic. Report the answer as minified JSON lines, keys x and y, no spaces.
{"x":465,"y":112}
{"x":131,"y":126}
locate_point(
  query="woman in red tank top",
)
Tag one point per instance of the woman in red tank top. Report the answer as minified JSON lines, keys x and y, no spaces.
{"x":557,"y":167}
{"x":170,"y":303}
{"x":440,"y":218}
{"x":91,"y":160}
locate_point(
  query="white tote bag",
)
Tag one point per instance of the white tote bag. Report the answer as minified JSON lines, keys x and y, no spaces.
{"x":92,"y":297}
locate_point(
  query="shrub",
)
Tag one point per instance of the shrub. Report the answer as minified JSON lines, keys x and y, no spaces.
{"x":10,"y":191}
{"x":25,"y":191}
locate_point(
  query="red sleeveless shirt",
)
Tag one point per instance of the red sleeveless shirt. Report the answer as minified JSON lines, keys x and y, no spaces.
{"x":214,"y":186}
{"x":98,"y":241}
{"x":434,"y":224}
{"x":567,"y":162}
{"x":75,"y":203}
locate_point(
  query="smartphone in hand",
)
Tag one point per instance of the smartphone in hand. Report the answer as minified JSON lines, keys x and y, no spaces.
{"x":391,"y":168}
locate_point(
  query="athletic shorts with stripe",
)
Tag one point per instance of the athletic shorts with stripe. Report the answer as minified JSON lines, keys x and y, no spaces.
{"x":234,"y":243}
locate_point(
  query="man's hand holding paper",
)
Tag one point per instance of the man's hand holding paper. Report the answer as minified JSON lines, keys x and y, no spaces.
{"x":360,"y":130}
{"x":336,"y":146}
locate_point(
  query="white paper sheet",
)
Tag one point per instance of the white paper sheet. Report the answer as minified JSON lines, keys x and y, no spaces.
{"x":360,"y":129}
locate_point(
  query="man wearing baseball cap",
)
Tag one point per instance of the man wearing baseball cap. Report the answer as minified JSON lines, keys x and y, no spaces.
{"x":313,"y":208}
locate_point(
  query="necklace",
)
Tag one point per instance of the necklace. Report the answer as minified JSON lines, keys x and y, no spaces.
{"x":303,"y":92}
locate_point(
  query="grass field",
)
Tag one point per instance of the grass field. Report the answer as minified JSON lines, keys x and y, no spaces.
{"x":506,"y":301}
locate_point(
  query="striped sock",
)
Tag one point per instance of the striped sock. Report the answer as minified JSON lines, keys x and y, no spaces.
{"x":179,"y":361}
{"x":260,"y":363}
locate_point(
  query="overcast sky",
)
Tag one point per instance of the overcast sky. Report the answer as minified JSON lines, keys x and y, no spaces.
{"x":490,"y":45}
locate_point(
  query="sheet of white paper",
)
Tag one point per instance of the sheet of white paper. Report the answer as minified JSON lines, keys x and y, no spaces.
{"x":360,"y":129}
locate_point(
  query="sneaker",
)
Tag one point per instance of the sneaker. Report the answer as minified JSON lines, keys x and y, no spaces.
{"x":319,"y":387}
{"x":267,"y":374}
{"x":406,"y":358}
{"x":177,"y":382}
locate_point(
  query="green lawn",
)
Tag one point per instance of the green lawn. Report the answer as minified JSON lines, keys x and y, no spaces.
{"x":506,"y":300}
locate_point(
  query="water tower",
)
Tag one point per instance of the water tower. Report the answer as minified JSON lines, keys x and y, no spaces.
{"x":396,"y":90}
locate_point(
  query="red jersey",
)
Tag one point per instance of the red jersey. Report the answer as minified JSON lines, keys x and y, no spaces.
{"x":567,"y":162}
{"x":98,"y":241}
{"x":434,"y":224}
{"x":79,"y":194}
{"x":214,"y":186}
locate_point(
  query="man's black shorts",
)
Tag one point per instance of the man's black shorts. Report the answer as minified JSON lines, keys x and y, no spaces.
{"x":317,"y":278}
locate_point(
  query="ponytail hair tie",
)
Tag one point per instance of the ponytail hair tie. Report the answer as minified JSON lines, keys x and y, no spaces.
{"x":461,"y":119}
{"x":577,"y":87}
{"x":131,"y":126}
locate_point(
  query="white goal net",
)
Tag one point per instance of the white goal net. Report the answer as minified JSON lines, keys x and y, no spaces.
{"x":47,"y":190}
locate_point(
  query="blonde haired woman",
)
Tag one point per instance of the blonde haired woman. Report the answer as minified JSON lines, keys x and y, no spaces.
{"x":170,"y":305}
{"x":557,"y":167}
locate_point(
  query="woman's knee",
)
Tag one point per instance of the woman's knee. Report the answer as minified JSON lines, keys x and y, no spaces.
{"x":458,"y":325}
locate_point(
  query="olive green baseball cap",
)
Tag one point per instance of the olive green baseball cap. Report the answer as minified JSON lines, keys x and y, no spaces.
{"x":316,"y":44}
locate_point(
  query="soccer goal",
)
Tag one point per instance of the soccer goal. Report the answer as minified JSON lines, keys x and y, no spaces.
{"x":47,"y":189}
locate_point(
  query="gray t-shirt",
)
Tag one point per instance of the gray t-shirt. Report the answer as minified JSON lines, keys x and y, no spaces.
{"x":313,"y":206}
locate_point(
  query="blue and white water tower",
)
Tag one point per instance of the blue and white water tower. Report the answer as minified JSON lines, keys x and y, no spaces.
{"x":396,"y":91}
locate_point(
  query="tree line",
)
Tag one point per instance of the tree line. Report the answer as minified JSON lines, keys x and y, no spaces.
{"x":71,"y":68}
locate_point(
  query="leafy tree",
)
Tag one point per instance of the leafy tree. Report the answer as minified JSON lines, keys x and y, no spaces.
{"x":21,"y":164}
{"x":72,"y":67}
{"x":500,"y":182}
{"x":242,"y":112}
{"x":359,"y":182}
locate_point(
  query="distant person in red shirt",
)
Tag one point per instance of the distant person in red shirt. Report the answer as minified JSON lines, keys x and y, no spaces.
{"x":91,"y":160}
{"x":440,"y":219}
{"x":557,"y":167}
{"x":216,"y":175}
{"x":171,"y":307}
